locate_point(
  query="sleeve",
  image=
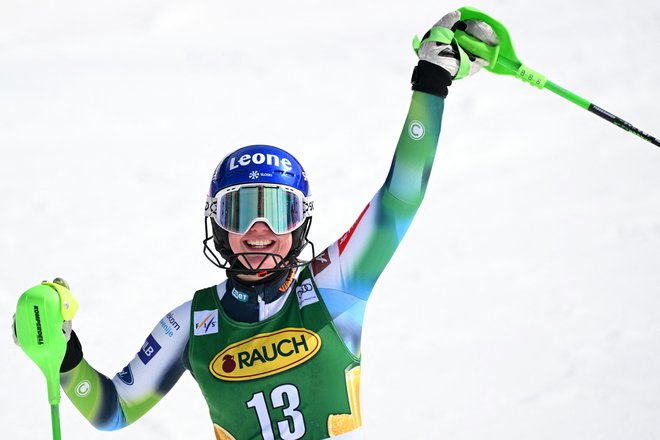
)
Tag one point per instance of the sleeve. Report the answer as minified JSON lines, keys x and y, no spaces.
{"x":354,"y":262}
{"x":110,"y":404}
{"x":347,"y":270}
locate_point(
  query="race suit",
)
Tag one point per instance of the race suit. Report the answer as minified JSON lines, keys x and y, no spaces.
{"x":281,"y":358}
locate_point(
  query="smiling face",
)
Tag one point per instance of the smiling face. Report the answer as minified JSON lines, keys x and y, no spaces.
{"x":259,"y":238}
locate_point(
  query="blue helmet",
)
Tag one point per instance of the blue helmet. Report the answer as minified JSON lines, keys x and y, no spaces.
{"x":258,"y":183}
{"x":259,"y":164}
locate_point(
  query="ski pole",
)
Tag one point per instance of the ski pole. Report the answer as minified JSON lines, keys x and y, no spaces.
{"x":503,"y":61}
{"x":40,"y":313}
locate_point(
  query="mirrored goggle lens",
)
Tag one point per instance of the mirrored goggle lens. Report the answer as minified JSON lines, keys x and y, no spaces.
{"x":282,"y":210}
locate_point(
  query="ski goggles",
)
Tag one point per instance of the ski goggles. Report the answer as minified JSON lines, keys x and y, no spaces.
{"x":236,"y":209}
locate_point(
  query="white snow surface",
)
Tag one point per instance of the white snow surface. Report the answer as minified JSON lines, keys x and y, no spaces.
{"x":524,"y":302}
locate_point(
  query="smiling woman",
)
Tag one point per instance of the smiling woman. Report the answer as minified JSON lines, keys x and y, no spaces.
{"x":275,"y":349}
{"x":524,"y":295}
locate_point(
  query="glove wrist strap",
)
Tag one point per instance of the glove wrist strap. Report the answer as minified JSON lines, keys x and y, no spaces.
{"x":430,"y":78}
{"x":74,"y":354}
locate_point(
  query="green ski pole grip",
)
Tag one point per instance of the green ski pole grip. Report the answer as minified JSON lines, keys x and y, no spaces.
{"x":477,"y":47}
{"x":40,"y":313}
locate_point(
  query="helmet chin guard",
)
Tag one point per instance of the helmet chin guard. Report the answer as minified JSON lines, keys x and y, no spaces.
{"x":233,"y":263}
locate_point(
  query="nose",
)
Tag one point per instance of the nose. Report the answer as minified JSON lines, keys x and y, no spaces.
{"x":260,"y":227}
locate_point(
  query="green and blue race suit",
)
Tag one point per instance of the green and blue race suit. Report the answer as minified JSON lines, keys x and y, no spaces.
{"x":343,"y":277}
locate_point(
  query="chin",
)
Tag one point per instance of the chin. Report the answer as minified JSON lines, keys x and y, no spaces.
{"x":267,"y":263}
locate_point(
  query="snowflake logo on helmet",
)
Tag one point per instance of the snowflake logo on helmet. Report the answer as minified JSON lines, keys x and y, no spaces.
{"x":254,"y":174}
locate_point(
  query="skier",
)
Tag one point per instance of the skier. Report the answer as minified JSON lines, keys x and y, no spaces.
{"x":275,"y":348}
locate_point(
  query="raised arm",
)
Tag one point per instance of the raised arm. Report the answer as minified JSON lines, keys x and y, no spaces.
{"x":110,"y":404}
{"x":353,"y":263}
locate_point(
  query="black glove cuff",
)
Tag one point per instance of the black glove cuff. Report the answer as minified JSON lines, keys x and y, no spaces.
{"x":430,"y":78}
{"x":74,"y":354}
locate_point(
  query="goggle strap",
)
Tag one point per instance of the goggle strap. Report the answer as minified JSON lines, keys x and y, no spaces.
{"x":308,"y":206}
{"x":211,"y":207}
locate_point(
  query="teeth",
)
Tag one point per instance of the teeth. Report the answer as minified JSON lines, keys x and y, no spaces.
{"x":260,"y":243}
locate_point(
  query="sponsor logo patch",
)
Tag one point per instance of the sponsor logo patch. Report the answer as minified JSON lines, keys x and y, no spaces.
{"x":169,"y":325}
{"x":126,"y":375}
{"x":321,"y":261}
{"x":149,"y":349}
{"x":258,"y":159}
{"x":265,"y":354}
{"x":416,"y":130}
{"x":37,"y":320}
{"x":306,"y":294}
{"x":206,"y":322}
{"x":83,"y":388}
{"x":241,"y":296}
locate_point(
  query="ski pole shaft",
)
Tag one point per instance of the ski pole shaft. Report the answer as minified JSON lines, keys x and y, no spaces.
{"x":623,"y":124}
{"x":536,"y":79}
{"x":55,"y":421}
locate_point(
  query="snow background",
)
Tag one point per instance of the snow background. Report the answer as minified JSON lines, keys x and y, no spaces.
{"x":523,"y":304}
